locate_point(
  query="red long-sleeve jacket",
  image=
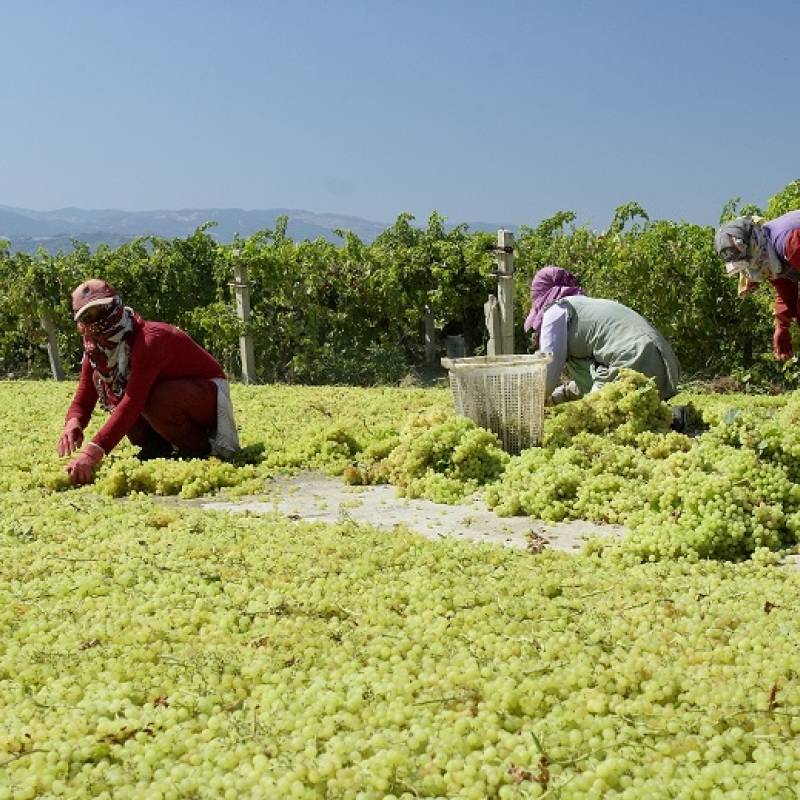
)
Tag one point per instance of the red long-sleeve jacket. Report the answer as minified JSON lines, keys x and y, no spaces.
{"x":159,"y":352}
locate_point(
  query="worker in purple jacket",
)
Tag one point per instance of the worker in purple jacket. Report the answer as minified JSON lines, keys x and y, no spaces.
{"x":756,"y":250}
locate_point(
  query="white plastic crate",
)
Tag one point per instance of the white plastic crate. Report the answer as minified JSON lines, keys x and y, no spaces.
{"x":504,"y":394}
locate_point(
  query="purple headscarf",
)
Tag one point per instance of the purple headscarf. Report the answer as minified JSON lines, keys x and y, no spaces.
{"x":548,"y":285}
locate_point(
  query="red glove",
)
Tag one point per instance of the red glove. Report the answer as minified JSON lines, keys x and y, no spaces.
{"x":81,"y":468}
{"x":782,"y":344}
{"x":787,"y":300}
{"x":71,"y":437}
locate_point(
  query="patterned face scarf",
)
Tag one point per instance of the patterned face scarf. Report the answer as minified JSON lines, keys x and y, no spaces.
{"x":107,"y":344}
{"x":764,"y":261}
{"x":747,"y":250}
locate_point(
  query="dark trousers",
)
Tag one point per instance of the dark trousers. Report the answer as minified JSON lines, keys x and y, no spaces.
{"x":179,"y":415}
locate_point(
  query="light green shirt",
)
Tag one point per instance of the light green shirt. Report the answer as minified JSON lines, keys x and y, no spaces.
{"x":604,"y":336}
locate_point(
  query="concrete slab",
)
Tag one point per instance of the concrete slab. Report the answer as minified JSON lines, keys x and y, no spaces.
{"x":313,"y":496}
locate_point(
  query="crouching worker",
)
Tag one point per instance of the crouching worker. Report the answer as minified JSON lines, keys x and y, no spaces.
{"x":755,"y":250}
{"x":164,"y":392}
{"x":593,"y":339}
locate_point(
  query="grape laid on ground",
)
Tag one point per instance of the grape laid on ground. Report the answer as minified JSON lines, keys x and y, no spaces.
{"x":154,"y":650}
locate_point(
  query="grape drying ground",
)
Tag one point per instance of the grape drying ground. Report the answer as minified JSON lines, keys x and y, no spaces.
{"x":276,"y":627}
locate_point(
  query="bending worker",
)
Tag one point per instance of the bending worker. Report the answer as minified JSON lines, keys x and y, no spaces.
{"x":593,"y":339}
{"x":755,"y":250}
{"x":164,"y":392}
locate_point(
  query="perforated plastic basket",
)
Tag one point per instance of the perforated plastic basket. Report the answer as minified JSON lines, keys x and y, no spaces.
{"x":504,"y":394}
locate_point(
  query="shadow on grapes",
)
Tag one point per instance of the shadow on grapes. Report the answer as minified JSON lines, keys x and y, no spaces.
{"x":251,"y":454}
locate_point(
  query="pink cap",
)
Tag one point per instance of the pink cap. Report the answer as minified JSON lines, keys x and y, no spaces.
{"x":94,"y":292}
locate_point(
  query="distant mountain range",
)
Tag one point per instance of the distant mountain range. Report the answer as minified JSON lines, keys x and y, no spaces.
{"x":53,"y":231}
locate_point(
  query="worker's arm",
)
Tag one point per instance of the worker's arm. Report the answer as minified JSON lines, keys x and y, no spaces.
{"x":791,"y":248}
{"x":553,"y":339}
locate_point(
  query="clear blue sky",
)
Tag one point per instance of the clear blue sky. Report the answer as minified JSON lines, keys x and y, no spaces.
{"x":492,"y":111}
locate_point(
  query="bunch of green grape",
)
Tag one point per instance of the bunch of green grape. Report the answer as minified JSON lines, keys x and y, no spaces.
{"x":733,"y":493}
{"x":187,"y":479}
{"x":593,"y":478}
{"x":714,"y":501}
{"x":623,"y":408}
{"x":772,"y":432}
{"x":445,"y":458}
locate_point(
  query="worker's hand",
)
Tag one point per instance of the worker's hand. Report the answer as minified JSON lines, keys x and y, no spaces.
{"x":71,"y":437}
{"x":746,"y":286}
{"x":81,"y":468}
{"x":782,"y":343}
{"x":565,"y":393}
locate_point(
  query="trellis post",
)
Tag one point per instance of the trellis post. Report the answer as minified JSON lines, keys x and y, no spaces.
{"x":52,"y":345}
{"x":430,"y":335}
{"x":242,"y":291}
{"x":499,"y":310}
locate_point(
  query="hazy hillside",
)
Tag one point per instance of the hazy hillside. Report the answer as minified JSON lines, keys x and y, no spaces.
{"x":53,"y":231}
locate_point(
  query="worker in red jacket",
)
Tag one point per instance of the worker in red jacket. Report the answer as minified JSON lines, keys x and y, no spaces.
{"x":164,"y":392}
{"x":754,"y":250}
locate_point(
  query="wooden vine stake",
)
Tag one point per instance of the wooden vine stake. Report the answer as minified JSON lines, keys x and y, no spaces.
{"x":242,"y":290}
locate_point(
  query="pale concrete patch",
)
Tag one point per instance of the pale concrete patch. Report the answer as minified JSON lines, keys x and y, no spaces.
{"x":792,"y":561}
{"x":312,"y":496}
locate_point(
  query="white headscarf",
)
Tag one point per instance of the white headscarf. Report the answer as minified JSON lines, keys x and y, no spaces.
{"x":759,"y":260}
